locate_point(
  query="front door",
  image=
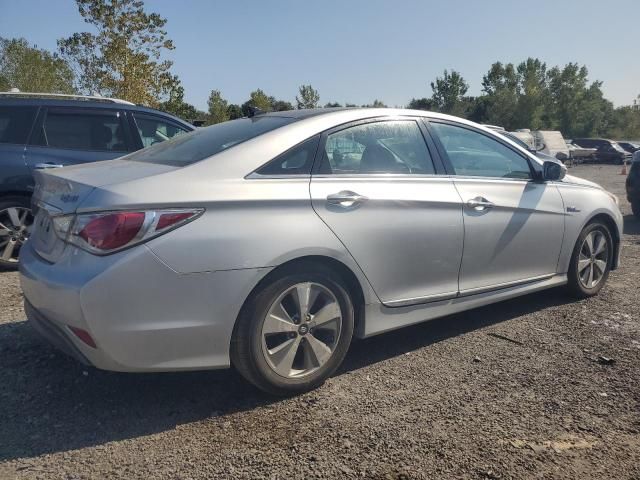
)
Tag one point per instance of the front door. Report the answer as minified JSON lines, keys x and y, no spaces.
{"x":514,"y":225}
{"x":376,"y":187}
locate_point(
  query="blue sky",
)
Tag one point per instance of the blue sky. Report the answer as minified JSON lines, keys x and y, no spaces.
{"x":359,"y":50}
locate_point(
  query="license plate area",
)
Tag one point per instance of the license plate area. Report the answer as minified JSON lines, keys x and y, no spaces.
{"x":45,"y":241}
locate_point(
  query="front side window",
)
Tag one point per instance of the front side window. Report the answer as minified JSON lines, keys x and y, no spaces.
{"x":100,"y":131}
{"x":15,"y":124}
{"x":154,"y":130}
{"x":478,"y":155}
{"x":379,"y":147}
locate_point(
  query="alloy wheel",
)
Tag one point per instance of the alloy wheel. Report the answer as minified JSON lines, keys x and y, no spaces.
{"x":15,"y":227}
{"x":301,"y":330}
{"x":593,"y":259}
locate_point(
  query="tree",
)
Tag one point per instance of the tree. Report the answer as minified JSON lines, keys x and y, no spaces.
{"x":332,"y":105}
{"x":308,"y":97}
{"x":257,"y":99}
{"x":234,"y":111}
{"x":280,"y":105}
{"x":421,"y":104}
{"x":533,"y":100}
{"x":124,"y":57}
{"x":500,"y":84}
{"x":448,"y":92}
{"x":218,"y":108}
{"x":376,"y":104}
{"x":176,"y":105}
{"x":31,"y":69}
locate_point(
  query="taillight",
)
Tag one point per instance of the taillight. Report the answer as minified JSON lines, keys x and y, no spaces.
{"x":112,"y":231}
{"x":108,"y":232}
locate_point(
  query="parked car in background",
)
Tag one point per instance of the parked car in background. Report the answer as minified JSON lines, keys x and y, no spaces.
{"x":269,"y":242}
{"x":607,"y":151}
{"x":581,"y":154}
{"x":552,"y":143}
{"x":39,"y":131}
{"x":518,"y":140}
{"x":630,"y":147}
{"x":633,"y":184}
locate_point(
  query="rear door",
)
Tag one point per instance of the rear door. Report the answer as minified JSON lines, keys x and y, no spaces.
{"x":15,"y":124}
{"x":150,"y":129}
{"x":376,"y":184}
{"x":513,"y":223}
{"x":71,"y":135}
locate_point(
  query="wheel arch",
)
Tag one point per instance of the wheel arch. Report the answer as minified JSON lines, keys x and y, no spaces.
{"x":611,"y":224}
{"x":353,"y":283}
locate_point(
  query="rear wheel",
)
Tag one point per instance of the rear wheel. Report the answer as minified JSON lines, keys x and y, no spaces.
{"x":294,"y":332}
{"x":591,"y":261}
{"x":15,"y":226}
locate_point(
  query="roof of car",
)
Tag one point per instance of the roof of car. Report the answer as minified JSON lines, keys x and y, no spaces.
{"x":81,"y":103}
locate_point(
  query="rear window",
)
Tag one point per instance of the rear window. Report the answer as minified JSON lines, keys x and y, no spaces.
{"x":15,"y":124}
{"x":189,"y":148}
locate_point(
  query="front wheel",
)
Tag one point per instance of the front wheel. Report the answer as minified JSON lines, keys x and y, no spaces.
{"x":591,"y":261}
{"x":15,"y":226}
{"x":294,"y":332}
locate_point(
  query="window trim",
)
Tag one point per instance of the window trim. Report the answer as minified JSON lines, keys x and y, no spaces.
{"x":44,"y":113}
{"x":256,"y":175}
{"x":133,"y":124}
{"x":433,"y":154}
{"x":449,"y":166}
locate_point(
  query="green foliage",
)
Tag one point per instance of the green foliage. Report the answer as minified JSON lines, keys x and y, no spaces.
{"x":376,"y":104}
{"x":257,"y":99}
{"x":218,"y":108}
{"x":124,"y":58}
{"x":332,"y":105}
{"x":32,"y":69}
{"x":280,"y":105}
{"x":448,"y":92}
{"x":234,"y":111}
{"x":308,"y":97}
{"x":176,"y":105}
{"x":421,"y":104}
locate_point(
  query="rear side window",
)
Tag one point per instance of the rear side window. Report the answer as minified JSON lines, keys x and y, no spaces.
{"x":295,"y":161}
{"x":15,"y":124}
{"x":82,"y":131}
{"x":154,"y":129}
{"x":183,"y":150}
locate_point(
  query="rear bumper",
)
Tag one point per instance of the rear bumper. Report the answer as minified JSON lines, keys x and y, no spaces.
{"x":142,"y":315}
{"x":54,"y":334}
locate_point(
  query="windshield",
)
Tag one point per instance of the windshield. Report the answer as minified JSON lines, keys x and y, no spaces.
{"x":617,"y":147}
{"x":189,"y":148}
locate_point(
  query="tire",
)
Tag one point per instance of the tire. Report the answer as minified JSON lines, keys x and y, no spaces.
{"x":581,"y":285}
{"x":635,"y":208}
{"x":263,"y":358}
{"x":15,"y":223}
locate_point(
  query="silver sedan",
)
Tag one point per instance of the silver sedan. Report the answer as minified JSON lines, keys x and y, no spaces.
{"x":269,"y":242}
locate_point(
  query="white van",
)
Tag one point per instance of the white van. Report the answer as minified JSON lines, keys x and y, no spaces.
{"x":552,"y":143}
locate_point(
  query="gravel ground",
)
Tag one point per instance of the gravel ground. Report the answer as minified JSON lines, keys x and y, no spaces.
{"x":515,"y":390}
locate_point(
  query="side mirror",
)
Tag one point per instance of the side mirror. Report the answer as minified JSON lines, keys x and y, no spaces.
{"x":553,"y":171}
{"x":541,"y":147}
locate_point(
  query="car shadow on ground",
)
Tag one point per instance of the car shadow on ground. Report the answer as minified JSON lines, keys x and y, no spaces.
{"x":50,"y":403}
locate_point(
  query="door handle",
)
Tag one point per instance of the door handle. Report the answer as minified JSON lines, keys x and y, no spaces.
{"x":480,"y":204}
{"x":346,"y":198}
{"x":44,"y":166}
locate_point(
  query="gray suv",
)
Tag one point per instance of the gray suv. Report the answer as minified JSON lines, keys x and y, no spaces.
{"x":39,"y":131}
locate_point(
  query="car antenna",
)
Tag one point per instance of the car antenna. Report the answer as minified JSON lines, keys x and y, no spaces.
{"x":253,"y":111}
